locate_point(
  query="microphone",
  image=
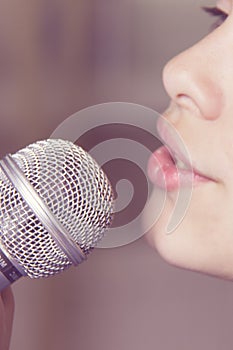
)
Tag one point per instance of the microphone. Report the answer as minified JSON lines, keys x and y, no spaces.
{"x":55,"y":205}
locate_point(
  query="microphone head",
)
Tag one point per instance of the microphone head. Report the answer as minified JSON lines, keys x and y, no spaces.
{"x":76,"y":194}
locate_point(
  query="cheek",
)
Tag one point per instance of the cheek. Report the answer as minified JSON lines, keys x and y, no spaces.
{"x":204,"y":240}
{"x":228,"y":154}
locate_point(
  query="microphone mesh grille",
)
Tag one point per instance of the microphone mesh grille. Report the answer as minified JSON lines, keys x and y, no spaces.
{"x":75,"y":190}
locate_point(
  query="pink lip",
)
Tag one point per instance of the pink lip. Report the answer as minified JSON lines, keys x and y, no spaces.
{"x":163,"y":172}
{"x":162,"y":169}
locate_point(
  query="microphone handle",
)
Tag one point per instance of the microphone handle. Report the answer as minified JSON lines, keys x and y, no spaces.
{"x":8,"y":272}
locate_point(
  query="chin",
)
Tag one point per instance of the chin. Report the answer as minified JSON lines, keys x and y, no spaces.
{"x":200,"y":245}
{"x":187,"y":259}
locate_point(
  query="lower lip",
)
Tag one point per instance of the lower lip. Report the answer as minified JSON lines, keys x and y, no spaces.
{"x":163,"y":172}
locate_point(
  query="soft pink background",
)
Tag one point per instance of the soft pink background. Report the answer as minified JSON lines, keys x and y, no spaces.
{"x":57,"y":57}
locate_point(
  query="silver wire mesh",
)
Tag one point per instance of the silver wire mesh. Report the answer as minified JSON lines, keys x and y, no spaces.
{"x":75,"y":190}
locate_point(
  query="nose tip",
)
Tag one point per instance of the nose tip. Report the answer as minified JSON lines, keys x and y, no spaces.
{"x":168,"y":81}
{"x":191,"y":83}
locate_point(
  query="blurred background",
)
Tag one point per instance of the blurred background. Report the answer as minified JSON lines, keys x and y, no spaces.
{"x":57,"y":57}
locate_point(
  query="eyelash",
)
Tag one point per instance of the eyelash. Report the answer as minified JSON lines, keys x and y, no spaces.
{"x":216,"y":12}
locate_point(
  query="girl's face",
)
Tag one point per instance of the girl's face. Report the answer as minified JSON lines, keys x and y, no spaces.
{"x":199,"y":82}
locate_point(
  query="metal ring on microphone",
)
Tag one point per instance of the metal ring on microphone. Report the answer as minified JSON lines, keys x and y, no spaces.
{"x":41,"y":210}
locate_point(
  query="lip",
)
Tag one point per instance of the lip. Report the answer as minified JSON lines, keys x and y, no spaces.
{"x":162,"y":169}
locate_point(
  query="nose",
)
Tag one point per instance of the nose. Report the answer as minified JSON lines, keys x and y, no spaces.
{"x":193,"y":80}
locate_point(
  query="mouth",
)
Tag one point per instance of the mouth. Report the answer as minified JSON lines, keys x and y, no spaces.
{"x":170,"y":166}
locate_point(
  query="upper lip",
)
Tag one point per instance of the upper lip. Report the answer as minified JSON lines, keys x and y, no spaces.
{"x":176,"y":146}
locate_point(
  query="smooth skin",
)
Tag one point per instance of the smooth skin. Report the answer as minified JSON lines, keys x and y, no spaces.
{"x":199,"y":82}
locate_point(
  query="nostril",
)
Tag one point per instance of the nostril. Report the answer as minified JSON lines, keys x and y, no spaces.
{"x":194,"y":87}
{"x":187,"y":102}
